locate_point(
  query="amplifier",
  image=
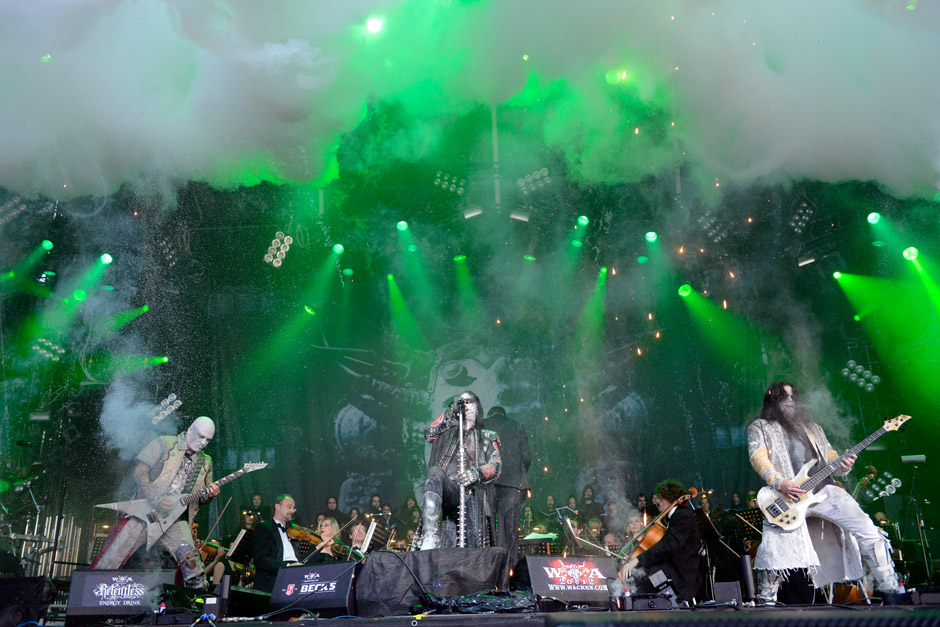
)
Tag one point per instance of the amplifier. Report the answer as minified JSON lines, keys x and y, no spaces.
{"x":326,"y":589}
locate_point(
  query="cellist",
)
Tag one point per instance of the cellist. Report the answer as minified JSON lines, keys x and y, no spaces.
{"x":676,"y":554}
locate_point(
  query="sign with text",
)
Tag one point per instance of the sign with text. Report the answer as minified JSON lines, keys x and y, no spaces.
{"x":571,"y":579}
{"x":116,"y":592}
{"x":325,"y":589}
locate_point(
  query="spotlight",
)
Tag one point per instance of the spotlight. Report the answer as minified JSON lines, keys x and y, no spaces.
{"x":583,"y":220}
{"x":338,"y":249}
{"x":874,"y":217}
{"x":651,"y":236}
{"x":863,"y":377}
{"x":412,"y":248}
{"x":642,"y":259}
{"x":685,"y":290}
{"x":472,"y":212}
{"x":106,"y":259}
{"x":910,"y":253}
{"x":460,"y":258}
{"x":529,"y":257}
{"x":348,"y":272}
{"x":277,"y":251}
{"x":521,"y":216}
{"x":374,"y":25}
{"x":310,"y":310}
{"x":79,"y":295}
{"x":577,"y":243}
{"x":805,"y":260}
{"x":167,"y":406}
{"x":450,"y":182}
{"x":535,"y":180}
{"x":801,"y":218}
{"x":46,"y":244}
{"x":10,"y":209}
{"x":402,"y":226}
{"x":836,"y":275}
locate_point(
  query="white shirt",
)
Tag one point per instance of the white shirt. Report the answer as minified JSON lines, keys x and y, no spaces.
{"x":288,"y":555}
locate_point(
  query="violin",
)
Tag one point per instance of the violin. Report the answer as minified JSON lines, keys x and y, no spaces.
{"x":302,"y":534}
{"x":653,"y":532}
{"x":208,"y":550}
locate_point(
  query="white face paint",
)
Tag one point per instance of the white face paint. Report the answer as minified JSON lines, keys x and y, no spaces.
{"x":787,"y":404}
{"x":199,"y":434}
{"x":470,"y":412}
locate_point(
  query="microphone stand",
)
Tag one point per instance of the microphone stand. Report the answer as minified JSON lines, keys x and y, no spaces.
{"x":461,"y":514}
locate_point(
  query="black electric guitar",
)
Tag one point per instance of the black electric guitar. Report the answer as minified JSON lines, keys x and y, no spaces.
{"x":789,"y":513}
{"x":158,"y":521}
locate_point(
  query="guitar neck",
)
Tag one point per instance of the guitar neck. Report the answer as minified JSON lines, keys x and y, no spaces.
{"x":831,"y":467}
{"x":200,"y":494}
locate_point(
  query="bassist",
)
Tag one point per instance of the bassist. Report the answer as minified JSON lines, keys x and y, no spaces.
{"x":780,"y":441}
{"x":169,"y":465}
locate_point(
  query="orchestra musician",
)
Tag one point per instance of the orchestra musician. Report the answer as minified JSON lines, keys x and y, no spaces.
{"x":168,"y":465}
{"x":273,"y":548}
{"x":780,"y":442}
{"x":329,"y":534}
{"x":677,"y":553}
{"x":445,"y":480}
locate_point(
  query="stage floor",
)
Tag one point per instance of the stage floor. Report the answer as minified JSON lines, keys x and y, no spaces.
{"x":802,"y":616}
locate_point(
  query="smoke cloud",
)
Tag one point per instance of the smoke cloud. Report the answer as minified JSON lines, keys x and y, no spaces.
{"x":100,"y":93}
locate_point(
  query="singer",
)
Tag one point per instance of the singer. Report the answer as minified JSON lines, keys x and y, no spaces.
{"x":464,"y":463}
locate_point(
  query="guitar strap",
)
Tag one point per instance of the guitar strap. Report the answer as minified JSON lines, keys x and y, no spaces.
{"x":820,"y":454}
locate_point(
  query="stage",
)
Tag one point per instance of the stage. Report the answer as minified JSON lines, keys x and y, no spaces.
{"x":861,"y":616}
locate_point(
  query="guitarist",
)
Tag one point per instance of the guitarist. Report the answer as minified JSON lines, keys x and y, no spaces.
{"x":780,"y":442}
{"x":169,"y":465}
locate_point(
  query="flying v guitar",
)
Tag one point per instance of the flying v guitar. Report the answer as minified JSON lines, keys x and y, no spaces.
{"x":158,"y":521}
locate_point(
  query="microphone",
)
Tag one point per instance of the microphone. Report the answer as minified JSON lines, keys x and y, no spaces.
{"x":25,"y":443}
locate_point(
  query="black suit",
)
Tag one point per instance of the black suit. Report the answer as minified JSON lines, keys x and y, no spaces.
{"x":677,"y":554}
{"x":268,"y":554}
{"x":512,"y":483}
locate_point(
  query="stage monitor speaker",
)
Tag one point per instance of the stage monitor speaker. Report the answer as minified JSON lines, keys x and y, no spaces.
{"x":120,"y":595}
{"x":24,"y":599}
{"x":325,"y":589}
{"x":390,"y":583}
{"x":579,"y":580}
{"x":728,"y":592}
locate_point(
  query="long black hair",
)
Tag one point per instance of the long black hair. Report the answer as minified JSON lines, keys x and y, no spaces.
{"x":771,"y":410}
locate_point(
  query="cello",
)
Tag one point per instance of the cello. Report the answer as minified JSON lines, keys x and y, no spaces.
{"x":653,"y":532}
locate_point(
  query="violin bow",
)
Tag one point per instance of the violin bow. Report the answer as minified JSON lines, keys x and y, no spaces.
{"x":216,"y":523}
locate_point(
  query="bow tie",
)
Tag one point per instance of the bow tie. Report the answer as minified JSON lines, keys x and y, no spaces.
{"x":280,"y":526}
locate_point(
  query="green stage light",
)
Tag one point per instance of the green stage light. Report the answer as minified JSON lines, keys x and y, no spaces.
{"x":106,"y":259}
{"x":390,"y":277}
{"x":651,"y":236}
{"x":412,"y":248}
{"x":79,"y":295}
{"x":603,"y":270}
{"x":685,"y":290}
{"x":108,"y":288}
{"x":146,"y":308}
{"x":309,"y":310}
{"x":642,"y":259}
{"x":874,"y":217}
{"x":583,"y":221}
{"x":374,"y":25}
{"x":348,"y":272}
{"x":529,"y":257}
{"x":857,"y":318}
{"x":338,"y":249}
{"x":164,"y":359}
{"x":47,"y":244}
{"x":836,"y":275}
{"x":460,"y":257}
{"x":577,"y":243}
{"x":402,"y":226}
{"x":910,"y":253}
{"x":878,"y":243}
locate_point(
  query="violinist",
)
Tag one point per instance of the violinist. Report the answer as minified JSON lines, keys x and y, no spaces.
{"x":327,"y":552}
{"x":273,"y":548}
{"x":676,"y":554}
{"x":357,"y":535}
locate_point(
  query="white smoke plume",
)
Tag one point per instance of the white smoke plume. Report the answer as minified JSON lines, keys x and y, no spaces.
{"x":98,"y":93}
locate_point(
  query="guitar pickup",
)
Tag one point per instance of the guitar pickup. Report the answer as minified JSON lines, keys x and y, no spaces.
{"x":773,"y":510}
